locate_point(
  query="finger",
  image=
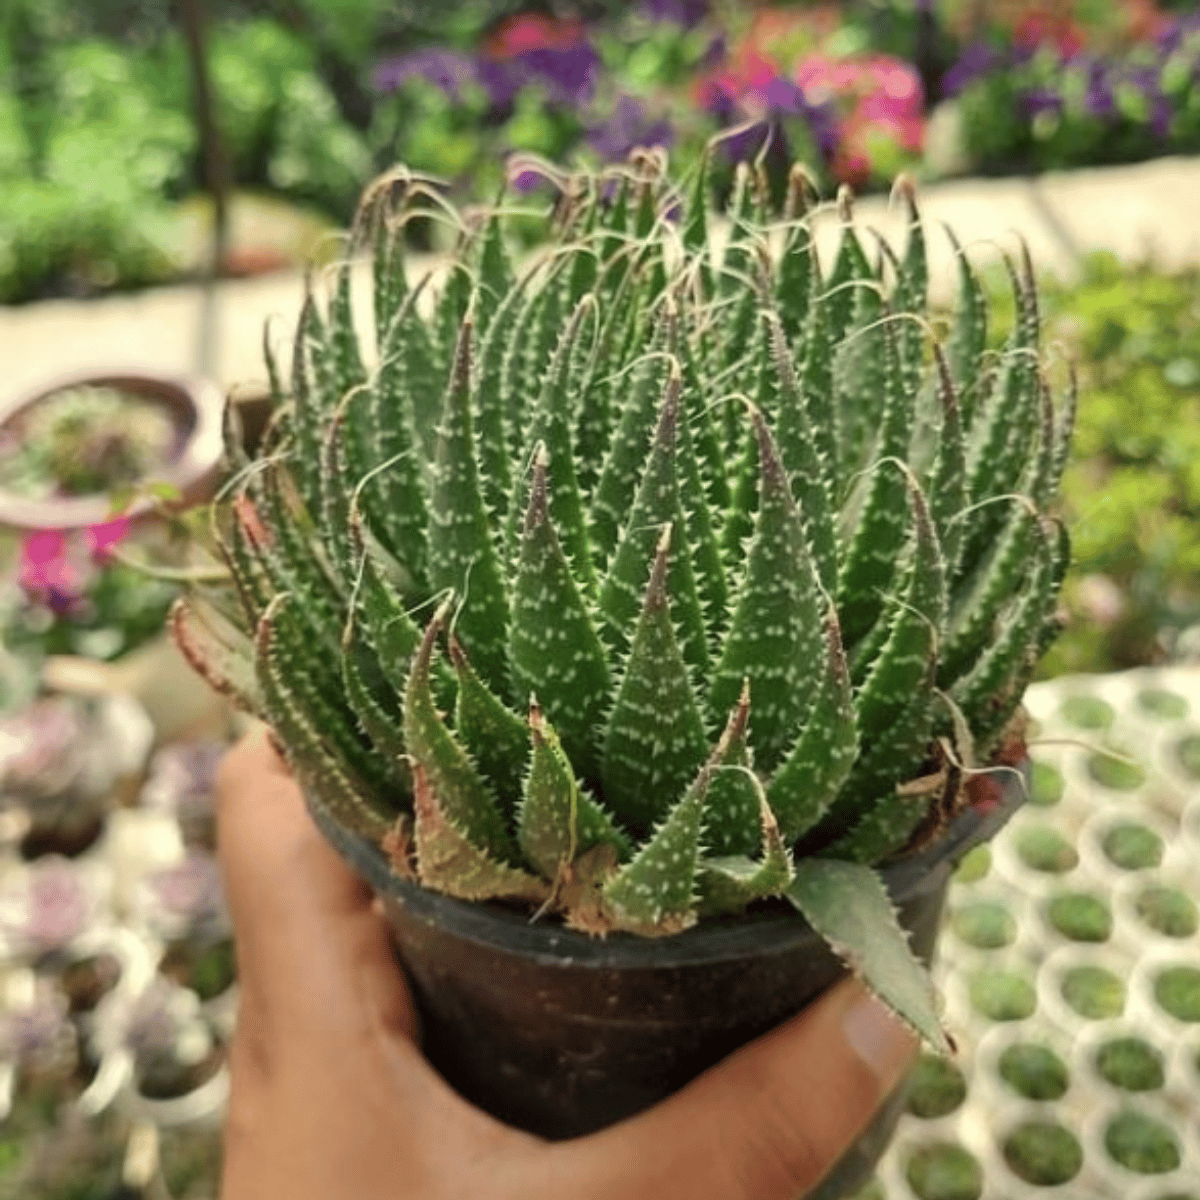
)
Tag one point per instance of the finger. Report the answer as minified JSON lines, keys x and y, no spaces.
{"x":308,"y":940}
{"x":768,"y":1122}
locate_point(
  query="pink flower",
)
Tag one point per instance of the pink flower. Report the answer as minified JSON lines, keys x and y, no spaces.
{"x":102,"y":539}
{"x":47,"y":572}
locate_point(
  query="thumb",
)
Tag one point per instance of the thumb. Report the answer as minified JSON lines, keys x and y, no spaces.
{"x":771,"y":1120}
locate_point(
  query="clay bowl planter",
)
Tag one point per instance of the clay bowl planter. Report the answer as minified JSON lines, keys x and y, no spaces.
{"x":190,"y":462}
{"x":561,"y":1034}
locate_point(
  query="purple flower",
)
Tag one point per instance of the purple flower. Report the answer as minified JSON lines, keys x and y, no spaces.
{"x":629,"y":126}
{"x":685,"y":13}
{"x":447,"y":69}
{"x":977,"y":61}
{"x":1037,"y":100}
{"x":567,"y":73}
{"x":499,"y":81}
{"x":1099,"y":99}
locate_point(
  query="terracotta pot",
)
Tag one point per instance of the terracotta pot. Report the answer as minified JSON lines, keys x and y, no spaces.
{"x":195,"y":407}
{"x":561,"y":1034}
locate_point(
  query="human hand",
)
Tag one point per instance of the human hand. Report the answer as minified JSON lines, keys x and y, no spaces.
{"x":332,"y":1099}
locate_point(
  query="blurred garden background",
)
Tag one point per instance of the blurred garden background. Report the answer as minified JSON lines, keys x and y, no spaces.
{"x":165,"y":160}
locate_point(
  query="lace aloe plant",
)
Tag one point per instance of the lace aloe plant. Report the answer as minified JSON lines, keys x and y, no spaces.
{"x":641,"y":581}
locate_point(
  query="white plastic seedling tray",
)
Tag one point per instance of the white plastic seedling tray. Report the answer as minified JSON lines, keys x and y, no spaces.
{"x":1070,"y":967}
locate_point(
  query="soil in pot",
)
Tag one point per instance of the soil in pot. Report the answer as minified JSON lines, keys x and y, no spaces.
{"x":1130,"y":1064}
{"x":207,"y":968}
{"x":1033,"y":1071}
{"x":1140,"y":1143}
{"x":1043,"y":1153}
{"x":84,"y":981}
{"x":169,"y":1081}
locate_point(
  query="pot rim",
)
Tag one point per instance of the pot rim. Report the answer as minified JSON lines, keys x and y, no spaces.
{"x":492,"y":924}
{"x":195,"y":402}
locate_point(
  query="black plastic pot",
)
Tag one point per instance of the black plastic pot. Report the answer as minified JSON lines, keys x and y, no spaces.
{"x":561,"y":1034}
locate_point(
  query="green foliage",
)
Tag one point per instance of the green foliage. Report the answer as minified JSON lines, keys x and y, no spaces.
{"x":1131,"y":492}
{"x":576,"y":581}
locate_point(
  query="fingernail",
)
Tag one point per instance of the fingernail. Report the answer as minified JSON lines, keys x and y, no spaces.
{"x":878,"y":1037}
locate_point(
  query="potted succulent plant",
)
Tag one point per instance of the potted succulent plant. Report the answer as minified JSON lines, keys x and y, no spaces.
{"x":630,"y":618}
{"x":67,"y":446}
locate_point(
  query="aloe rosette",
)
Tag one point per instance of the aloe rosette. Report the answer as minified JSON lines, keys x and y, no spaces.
{"x":647,"y":580}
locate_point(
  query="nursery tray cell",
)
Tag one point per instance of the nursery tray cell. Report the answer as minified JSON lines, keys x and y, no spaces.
{"x":1168,"y":910}
{"x":1046,"y":785}
{"x":1034,"y":1071}
{"x":944,"y":1171}
{"x":1177,"y":990}
{"x":1131,"y":1064}
{"x":1133,"y":847}
{"x":1002,"y":995}
{"x":1094,"y":992}
{"x":1142,"y":1144}
{"x":1043,"y":1153}
{"x":1080,"y":917}
{"x":936,"y":1087}
{"x":1043,"y":848}
{"x":984,"y":924}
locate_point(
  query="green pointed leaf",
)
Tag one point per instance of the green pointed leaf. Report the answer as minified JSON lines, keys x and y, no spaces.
{"x":462,"y":553}
{"x":798,"y":268}
{"x":849,"y":907}
{"x":655,"y":506}
{"x":632,"y":438}
{"x":824,"y":752}
{"x":654,"y":739}
{"x":878,"y":532}
{"x":968,"y":338}
{"x":558,"y":821}
{"x":947,"y":487}
{"x":449,"y":861}
{"x":728,"y":884}
{"x":655,"y":893}
{"x":554,"y":649}
{"x":389,"y":282}
{"x":219,"y":653}
{"x":732,"y":824}
{"x":322,"y":747}
{"x":910,"y":652}
{"x":391,"y":480}
{"x":775,"y":634}
{"x":487,"y":402}
{"x":800,"y":456}
{"x":492,"y":734}
{"x":495,"y":270}
{"x":460,"y":795}
{"x":550,"y":425}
